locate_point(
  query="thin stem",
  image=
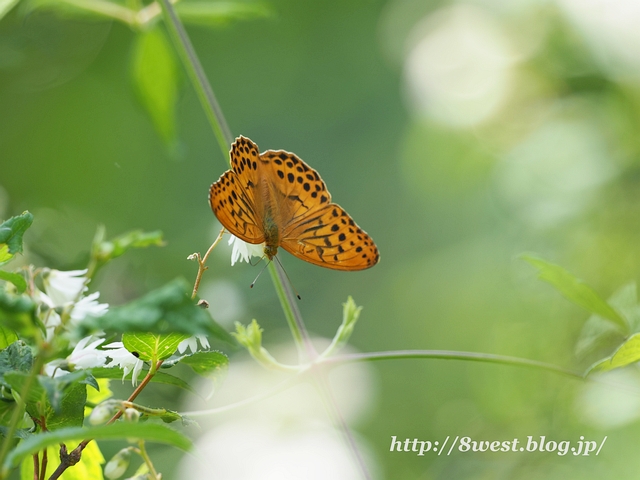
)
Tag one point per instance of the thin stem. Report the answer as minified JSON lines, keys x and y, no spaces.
{"x":306,"y":350}
{"x":147,"y":460}
{"x":201,"y":263}
{"x":198,"y":77}
{"x":36,"y":467}
{"x":324,"y":388}
{"x":18,"y":410}
{"x":450,"y":355}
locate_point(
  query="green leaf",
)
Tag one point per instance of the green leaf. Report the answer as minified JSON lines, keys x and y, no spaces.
{"x":17,"y":380}
{"x":159,"y":377}
{"x":70,"y":412}
{"x":207,"y":364}
{"x":576,"y":290}
{"x":89,"y":466}
{"x":17,"y":312}
{"x":626,"y":354}
{"x":150,"y":347}
{"x":220,"y":13}
{"x":7,"y":337}
{"x":167,"y":309}
{"x":155,"y":75}
{"x":15,"y":278}
{"x":17,"y":357}
{"x":106,"y":250}
{"x":11,"y":232}
{"x":6,"y":6}
{"x":152,"y":432}
{"x":56,"y":388}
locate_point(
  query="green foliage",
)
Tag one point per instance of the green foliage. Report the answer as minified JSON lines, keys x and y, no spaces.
{"x":6,"y":6}
{"x":155,"y":75}
{"x":207,"y":364}
{"x":104,"y":251}
{"x":11,"y":232}
{"x":160,"y":377}
{"x":17,"y":357}
{"x":167,"y":309}
{"x":576,"y":290}
{"x":150,"y":347}
{"x":116,"y":431}
{"x":626,"y":354}
{"x":213,"y":14}
{"x":7,"y":337}
{"x":350,"y":315}
{"x":15,"y":278}
{"x":17,"y":313}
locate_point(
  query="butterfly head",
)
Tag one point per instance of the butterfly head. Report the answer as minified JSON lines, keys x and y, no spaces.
{"x":270,"y":251}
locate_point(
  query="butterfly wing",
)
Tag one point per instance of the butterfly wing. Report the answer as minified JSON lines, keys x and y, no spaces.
{"x":233,"y":196}
{"x":328,"y":237}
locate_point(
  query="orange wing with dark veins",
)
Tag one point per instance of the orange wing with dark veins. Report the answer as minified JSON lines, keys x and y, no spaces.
{"x":232,"y":197}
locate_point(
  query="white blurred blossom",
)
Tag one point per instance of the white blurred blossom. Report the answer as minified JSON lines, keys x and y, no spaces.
{"x":84,"y":355}
{"x":192,"y":343}
{"x":243,"y":251}
{"x":64,"y":287}
{"x":123,"y":358}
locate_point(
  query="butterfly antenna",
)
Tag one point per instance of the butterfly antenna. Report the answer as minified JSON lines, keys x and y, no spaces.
{"x":256,"y":279}
{"x":287,"y":275}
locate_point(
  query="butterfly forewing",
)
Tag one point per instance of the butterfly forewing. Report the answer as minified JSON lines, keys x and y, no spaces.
{"x":299,"y":184}
{"x":232,"y":197}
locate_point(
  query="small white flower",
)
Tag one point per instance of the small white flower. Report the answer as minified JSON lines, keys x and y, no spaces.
{"x":192,"y":343}
{"x":87,"y":355}
{"x":64,"y":287}
{"x":46,"y":312}
{"x":123,"y":358}
{"x":84,"y":355}
{"x":243,"y":251}
{"x":88,"y":306}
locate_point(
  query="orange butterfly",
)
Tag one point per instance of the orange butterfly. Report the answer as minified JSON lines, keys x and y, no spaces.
{"x":276,"y":198}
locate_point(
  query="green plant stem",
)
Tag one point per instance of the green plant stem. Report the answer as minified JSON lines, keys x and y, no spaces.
{"x":450,"y":355}
{"x":18,"y":411}
{"x":147,"y":460}
{"x":306,"y":350}
{"x":198,"y":78}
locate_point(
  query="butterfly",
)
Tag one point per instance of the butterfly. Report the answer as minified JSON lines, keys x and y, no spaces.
{"x":276,"y":198}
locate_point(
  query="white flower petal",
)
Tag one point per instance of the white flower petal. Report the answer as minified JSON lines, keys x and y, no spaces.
{"x":64,"y":287}
{"x":243,"y":251}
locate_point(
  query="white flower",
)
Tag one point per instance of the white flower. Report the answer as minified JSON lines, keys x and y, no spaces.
{"x":243,"y":251}
{"x":192,"y":343}
{"x":84,"y":355}
{"x":123,"y":358}
{"x":46,"y":312}
{"x":88,"y":306}
{"x":64,"y":287}
{"x":88,"y":356}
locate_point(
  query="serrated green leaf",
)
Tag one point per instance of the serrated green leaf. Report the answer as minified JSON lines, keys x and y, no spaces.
{"x":106,"y":250}
{"x":165,"y":310}
{"x":71,"y":408}
{"x":15,"y":278}
{"x":207,"y":364}
{"x":11,"y":232}
{"x":147,"y":431}
{"x":56,"y":388}
{"x":17,"y":357}
{"x":155,"y":74}
{"x":576,"y":290}
{"x":626,"y":354}
{"x":6,"y":6}
{"x":159,"y":377}
{"x":88,"y":468}
{"x":150,"y":347}
{"x":209,"y":14}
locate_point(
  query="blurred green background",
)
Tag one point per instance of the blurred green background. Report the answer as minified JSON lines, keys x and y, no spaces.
{"x":458,"y":134}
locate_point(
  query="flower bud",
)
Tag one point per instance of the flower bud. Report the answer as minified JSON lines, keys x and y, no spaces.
{"x":102,"y":413}
{"x":131,"y":415}
{"x":116,"y":467}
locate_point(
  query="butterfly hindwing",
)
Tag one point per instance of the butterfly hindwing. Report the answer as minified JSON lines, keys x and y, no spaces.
{"x":329,"y":237}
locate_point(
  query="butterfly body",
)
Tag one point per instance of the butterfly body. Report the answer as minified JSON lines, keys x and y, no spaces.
{"x":277,"y":199}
